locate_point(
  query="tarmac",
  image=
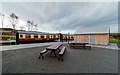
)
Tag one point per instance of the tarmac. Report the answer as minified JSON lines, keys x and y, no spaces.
{"x":22,"y":46}
{"x":25,"y":60}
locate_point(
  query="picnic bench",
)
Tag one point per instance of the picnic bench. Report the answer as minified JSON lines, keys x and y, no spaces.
{"x":61,"y":53}
{"x":41,"y":54}
{"x":53,"y":48}
{"x":79,"y":45}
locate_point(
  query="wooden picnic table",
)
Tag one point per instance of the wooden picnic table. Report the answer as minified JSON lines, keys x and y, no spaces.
{"x":53,"y":48}
{"x":83,"y":45}
{"x":78,"y":44}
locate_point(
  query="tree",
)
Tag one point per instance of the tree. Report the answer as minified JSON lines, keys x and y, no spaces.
{"x":21,"y":27}
{"x":31,"y":25}
{"x":28,"y":24}
{"x":14,"y":20}
{"x":36,"y":26}
{"x":118,"y":36}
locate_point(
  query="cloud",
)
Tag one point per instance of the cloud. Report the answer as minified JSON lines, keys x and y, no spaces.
{"x":65,"y":16}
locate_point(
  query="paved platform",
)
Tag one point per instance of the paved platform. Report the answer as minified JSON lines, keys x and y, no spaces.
{"x":21,"y":46}
{"x":96,"y":60}
{"x":110,"y":46}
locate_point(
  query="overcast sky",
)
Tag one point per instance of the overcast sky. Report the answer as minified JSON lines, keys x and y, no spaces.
{"x":63,"y":16}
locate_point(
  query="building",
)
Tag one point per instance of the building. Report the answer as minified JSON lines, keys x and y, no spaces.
{"x":98,"y":35}
{"x":7,"y":35}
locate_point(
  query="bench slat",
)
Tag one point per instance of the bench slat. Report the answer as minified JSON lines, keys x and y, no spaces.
{"x":43,"y":51}
{"x":62,"y":51}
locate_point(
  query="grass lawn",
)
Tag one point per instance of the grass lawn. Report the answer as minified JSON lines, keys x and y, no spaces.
{"x":115,"y":41}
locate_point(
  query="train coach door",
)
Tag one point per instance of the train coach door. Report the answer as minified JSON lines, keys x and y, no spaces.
{"x":17,"y":38}
{"x":92,"y":39}
{"x":86,"y":39}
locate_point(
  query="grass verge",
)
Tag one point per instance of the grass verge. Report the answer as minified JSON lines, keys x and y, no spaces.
{"x":115,"y":41}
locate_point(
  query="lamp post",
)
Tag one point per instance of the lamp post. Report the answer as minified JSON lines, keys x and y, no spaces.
{"x":68,"y":38}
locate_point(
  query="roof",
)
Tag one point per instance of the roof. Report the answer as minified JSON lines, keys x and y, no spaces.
{"x":93,"y":30}
{"x":34,"y":32}
{"x":6,"y":29}
{"x":31,"y":32}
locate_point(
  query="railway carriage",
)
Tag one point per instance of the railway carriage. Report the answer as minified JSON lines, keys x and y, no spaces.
{"x":10,"y":36}
{"x":33,"y":36}
{"x":66,"y":37}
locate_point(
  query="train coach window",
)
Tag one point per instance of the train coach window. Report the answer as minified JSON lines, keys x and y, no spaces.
{"x":6,"y":33}
{"x":54,"y":36}
{"x":47,"y":36}
{"x":28,"y":36}
{"x":51,"y":36}
{"x":42,"y":36}
{"x":35,"y":36}
{"x":21,"y":36}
